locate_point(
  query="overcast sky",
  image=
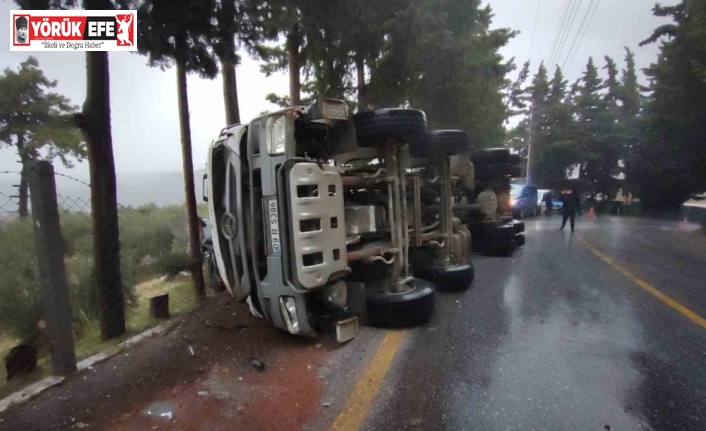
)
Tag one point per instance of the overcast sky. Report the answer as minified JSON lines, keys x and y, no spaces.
{"x":144,"y":101}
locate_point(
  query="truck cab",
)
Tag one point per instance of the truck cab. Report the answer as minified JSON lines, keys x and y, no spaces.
{"x":308,"y":236}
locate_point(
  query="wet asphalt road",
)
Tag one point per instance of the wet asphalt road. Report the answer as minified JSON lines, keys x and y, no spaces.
{"x":556,"y":339}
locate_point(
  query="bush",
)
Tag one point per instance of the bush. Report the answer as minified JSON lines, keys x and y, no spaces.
{"x":171,"y":264}
{"x":21,"y":304}
{"x":77,"y":232}
{"x":148,"y":231}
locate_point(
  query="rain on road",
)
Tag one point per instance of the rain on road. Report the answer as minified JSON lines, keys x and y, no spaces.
{"x":555,"y":338}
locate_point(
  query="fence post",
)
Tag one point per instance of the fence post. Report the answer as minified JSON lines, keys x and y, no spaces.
{"x":52,"y":272}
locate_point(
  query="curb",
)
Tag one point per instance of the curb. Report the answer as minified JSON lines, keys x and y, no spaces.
{"x":32,"y":391}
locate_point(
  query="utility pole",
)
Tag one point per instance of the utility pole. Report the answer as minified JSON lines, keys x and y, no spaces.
{"x":531,"y":142}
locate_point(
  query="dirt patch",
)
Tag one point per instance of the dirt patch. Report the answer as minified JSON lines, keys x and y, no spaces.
{"x":201,"y":369}
{"x":156,"y":286}
{"x":231,"y":392}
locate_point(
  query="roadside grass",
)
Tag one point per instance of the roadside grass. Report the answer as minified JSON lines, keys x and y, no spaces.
{"x":182,"y":300}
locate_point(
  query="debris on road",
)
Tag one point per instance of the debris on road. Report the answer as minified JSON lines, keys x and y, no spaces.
{"x":160,"y":409}
{"x":258,"y":364}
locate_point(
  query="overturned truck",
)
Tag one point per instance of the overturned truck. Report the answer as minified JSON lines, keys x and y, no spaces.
{"x":483,"y":201}
{"x":323,"y":220}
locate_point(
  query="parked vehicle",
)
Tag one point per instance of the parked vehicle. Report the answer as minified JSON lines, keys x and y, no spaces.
{"x":310,"y":209}
{"x":523,"y":200}
{"x":542,"y":205}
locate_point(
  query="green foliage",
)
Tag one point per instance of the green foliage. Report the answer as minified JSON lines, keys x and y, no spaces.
{"x":590,"y":127}
{"x":554,"y":147}
{"x":42,"y":119}
{"x":178,"y":32}
{"x":450,"y":67}
{"x":21,"y":307}
{"x":610,"y":128}
{"x":152,"y":243}
{"x":666,"y":168}
{"x":171,"y":264}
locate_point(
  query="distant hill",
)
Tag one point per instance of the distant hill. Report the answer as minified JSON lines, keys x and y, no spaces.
{"x":160,"y":188}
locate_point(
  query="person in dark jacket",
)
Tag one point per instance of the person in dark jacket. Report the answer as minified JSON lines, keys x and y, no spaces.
{"x":571,"y":205}
{"x":548,"y":198}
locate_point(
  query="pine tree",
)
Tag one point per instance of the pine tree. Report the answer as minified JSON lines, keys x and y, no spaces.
{"x":180,"y":33}
{"x":594,"y":129}
{"x":666,"y":167}
{"x":449,"y":67}
{"x":236,"y":25}
{"x":34,"y":120}
{"x":556,"y":152}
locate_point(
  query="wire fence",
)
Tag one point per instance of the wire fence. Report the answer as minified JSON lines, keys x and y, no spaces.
{"x":112,"y":279}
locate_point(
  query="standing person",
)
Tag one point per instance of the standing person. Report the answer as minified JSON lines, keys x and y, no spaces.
{"x":627,"y":200}
{"x":571,"y":206}
{"x":598,"y":205}
{"x":548,"y":198}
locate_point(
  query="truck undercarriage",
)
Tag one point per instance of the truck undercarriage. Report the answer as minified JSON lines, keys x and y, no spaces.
{"x":323,"y":220}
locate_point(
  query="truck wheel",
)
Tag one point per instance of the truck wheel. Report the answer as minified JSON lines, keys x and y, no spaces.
{"x":490,"y":156}
{"x":444,"y":142}
{"x":447,"y":279}
{"x":403,"y":309}
{"x":520,"y":239}
{"x":376,"y":126}
{"x":515,"y":171}
{"x":502,"y":232}
{"x":518,"y":225}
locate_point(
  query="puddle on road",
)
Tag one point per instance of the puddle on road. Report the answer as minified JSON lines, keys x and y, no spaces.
{"x":564,"y":362}
{"x":160,"y":409}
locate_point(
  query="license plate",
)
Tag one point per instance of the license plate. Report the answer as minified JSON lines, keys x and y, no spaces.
{"x":346,"y":329}
{"x":273,"y":216}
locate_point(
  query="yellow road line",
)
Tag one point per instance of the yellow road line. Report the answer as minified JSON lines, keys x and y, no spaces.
{"x":368,"y":384}
{"x":646,"y":286}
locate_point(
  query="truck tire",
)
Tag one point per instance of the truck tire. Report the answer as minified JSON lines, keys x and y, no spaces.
{"x":515,"y":171}
{"x":491,"y":156}
{"x":444,"y":142}
{"x":520,"y":239}
{"x":447,"y":279}
{"x":404,"y":309}
{"x":373,"y":127}
{"x":502,"y":232}
{"x":518,"y":225}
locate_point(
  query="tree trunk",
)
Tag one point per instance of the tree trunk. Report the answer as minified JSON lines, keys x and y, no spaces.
{"x":293,"y":60}
{"x":23,"y":192}
{"x":360,"y":69}
{"x":229,"y":58}
{"x":230,"y":92}
{"x":95,"y":124}
{"x":190,"y":194}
